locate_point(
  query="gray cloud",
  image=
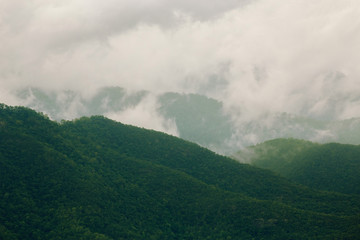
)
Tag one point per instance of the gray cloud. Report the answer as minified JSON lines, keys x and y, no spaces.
{"x":43,"y":41}
{"x":145,"y":115}
{"x":256,"y":56}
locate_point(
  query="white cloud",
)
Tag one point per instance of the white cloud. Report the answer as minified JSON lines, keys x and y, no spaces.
{"x":272,"y":55}
{"x":145,"y":115}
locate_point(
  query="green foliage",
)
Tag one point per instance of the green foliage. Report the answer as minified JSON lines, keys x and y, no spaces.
{"x":331,"y":167}
{"x":93,"y":178}
{"x":276,"y":154}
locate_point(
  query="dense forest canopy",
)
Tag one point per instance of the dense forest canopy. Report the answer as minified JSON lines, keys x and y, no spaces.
{"x":330,"y":167}
{"x":94,"y":178}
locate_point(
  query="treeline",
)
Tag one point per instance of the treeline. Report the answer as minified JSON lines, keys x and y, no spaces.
{"x":330,"y":167}
{"x":93,"y":178}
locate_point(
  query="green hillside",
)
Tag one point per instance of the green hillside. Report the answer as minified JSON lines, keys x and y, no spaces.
{"x":331,"y":167}
{"x":277,"y":154}
{"x":197,"y":118}
{"x":94,"y":178}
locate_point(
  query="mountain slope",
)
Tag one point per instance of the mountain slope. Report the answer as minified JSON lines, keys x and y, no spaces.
{"x":94,"y":178}
{"x":276,"y":154}
{"x":331,"y":167}
{"x":197,"y":162}
{"x":197,"y":118}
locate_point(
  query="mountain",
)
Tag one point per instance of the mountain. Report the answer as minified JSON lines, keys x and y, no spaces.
{"x":331,"y":167}
{"x":196,"y":117}
{"x":70,"y":104}
{"x":94,"y":178}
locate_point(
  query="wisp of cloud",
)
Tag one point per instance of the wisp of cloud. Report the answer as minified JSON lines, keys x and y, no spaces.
{"x":299,"y":57}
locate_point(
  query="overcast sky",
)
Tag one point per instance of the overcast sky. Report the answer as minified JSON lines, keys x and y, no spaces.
{"x":256,"y":56}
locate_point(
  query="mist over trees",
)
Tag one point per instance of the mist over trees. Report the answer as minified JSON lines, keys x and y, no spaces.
{"x":121,"y":100}
{"x":193,"y":117}
{"x":93,"y":178}
{"x":330,"y":167}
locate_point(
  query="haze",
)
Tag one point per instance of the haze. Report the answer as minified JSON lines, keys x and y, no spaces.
{"x":257,"y":57}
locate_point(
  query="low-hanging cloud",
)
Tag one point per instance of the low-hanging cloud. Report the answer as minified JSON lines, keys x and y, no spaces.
{"x":146,"y":115}
{"x":299,"y":57}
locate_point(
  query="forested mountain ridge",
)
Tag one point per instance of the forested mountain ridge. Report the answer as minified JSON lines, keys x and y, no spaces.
{"x":331,"y":166}
{"x":195,"y":117}
{"x":94,"y":178}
